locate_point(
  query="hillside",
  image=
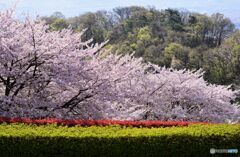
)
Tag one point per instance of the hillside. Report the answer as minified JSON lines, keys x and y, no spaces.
{"x":171,"y":38}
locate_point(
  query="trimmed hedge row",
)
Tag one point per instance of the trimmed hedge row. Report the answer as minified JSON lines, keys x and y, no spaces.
{"x":96,"y":122}
{"x":22,"y":140}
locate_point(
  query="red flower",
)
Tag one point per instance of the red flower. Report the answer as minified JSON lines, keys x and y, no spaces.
{"x":97,"y":122}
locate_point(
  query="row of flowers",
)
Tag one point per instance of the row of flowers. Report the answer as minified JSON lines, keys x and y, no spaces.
{"x":96,"y":122}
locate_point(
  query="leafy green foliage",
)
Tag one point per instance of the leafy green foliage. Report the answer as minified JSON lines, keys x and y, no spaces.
{"x":52,"y":140}
{"x":58,"y":24}
{"x":223,"y":63}
{"x":175,"y":56}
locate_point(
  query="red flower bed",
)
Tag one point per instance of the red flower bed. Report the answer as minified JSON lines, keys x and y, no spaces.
{"x":96,"y":122}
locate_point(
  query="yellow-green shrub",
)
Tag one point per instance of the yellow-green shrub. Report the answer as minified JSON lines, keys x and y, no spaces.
{"x":23,"y":140}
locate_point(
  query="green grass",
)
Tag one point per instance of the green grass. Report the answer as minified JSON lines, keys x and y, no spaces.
{"x":23,"y":140}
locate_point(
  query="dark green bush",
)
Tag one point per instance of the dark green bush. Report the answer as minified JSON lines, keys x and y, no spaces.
{"x":21,"y":140}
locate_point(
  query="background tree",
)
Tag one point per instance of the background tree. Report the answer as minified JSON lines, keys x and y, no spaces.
{"x":222,"y":63}
{"x":175,"y":56}
{"x":96,"y":24}
{"x":56,"y":21}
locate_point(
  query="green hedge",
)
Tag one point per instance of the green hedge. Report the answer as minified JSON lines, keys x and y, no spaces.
{"x":21,"y":140}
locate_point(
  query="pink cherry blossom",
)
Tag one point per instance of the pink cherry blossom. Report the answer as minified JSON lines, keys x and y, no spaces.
{"x":53,"y":74}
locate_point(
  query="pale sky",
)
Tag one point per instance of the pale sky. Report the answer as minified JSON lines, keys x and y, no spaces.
{"x":230,"y":8}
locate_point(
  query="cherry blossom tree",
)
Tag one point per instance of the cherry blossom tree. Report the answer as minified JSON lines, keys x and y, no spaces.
{"x":41,"y":71}
{"x":169,"y":94}
{"x":54,"y":74}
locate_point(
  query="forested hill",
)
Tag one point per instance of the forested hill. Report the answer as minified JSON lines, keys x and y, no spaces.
{"x":171,"y":38}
